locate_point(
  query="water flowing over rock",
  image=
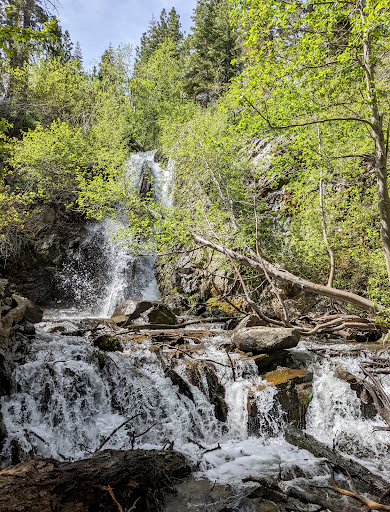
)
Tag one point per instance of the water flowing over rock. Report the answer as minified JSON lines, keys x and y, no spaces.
{"x":105,"y":273}
{"x":97,"y":401}
{"x":265,"y":339}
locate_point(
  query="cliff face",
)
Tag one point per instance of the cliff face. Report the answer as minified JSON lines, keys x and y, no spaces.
{"x":31,"y":267}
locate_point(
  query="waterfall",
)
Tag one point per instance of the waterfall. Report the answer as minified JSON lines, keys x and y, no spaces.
{"x":70,"y":400}
{"x":105,"y":273}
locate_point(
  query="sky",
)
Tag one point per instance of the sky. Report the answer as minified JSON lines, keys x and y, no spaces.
{"x":97,"y":23}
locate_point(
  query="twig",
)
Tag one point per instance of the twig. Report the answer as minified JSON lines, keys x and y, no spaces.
{"x":111,"y":493}
{"x":232,"y":366}
{"x":197,"y":358}
{"x":116,"y":430}
{"x":136,"y":436}
{"x":195,"y":442}
{"x":134,"y":506}
{"x":218,"y":447}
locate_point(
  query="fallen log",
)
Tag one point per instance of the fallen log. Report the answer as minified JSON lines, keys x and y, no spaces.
{"x":293,"y":492}
{"x":209,"y":320}
{"x":285,"y":276}
{"x":360,"y":474}
{"x":47,"y":485}
{"x":372,"y":505}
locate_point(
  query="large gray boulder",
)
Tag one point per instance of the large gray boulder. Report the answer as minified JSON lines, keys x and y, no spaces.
{"x":265,"y":339}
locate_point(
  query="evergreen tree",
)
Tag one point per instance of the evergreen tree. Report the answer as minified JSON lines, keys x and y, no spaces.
{"x":78,"y":55}
{"x":215,"y":46}
{"x":67,"y":47}
{"x":167,"y":27}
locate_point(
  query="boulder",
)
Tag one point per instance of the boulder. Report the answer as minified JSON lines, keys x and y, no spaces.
{"x":250,"y":321}
{"x":265,"y":339}
{"x":132,"y":308}
{"x":21,"y":309}
{"x":32,"y":312}
{"x":160,"y":314}
{"x":108,"y":343}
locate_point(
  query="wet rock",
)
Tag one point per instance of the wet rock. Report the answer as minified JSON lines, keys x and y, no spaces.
{"x":45,"y":484}
{"x":145,"y":188}
{"x":294,"y":392}
{"x":231,"y":324}
{"x":265,"y":339}
{"x":160,"y":314}
{"x":146,"y":311}
{"x":184,"y":388}
{"x":211,"y":388}
{"x":28,"y":329}
{"x":32,"y":312}
{"x":108,"y":343}
{"x":57,"y":328}
{"x":271,"y":361}
{"x":21,"y":309}
{"x":216,"y":393}
{"x":132,"y":308}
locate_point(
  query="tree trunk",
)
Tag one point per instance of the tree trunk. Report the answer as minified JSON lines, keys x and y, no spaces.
{"x":46,"y":485}
{"x":380,"y":148}
{"x":285,"y":276}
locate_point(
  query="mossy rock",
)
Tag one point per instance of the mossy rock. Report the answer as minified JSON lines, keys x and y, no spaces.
{"x":217,"y":307}
{"x":161,"y":314}
{"x":99,"y":358}
{"x":108,"y":343}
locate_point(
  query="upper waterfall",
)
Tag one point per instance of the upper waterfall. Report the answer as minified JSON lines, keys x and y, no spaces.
{"x":105,"y":272}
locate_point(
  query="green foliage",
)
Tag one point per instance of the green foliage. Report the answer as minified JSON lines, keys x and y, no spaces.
{"x":156,"y":94}
{"x":49,"y":159}
{"x":160,"y":31}
{"x":214,"y":51}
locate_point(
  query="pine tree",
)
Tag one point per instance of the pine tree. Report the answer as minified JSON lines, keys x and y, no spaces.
{"x":214,"y":46}
{"x":78,"y":55}
{"x":67,"y":47}
{"x":167,"y":27}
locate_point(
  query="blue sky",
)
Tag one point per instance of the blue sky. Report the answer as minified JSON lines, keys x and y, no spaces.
{"x":97,"y":23}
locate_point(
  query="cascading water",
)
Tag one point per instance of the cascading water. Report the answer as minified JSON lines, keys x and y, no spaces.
{"x":105,"y":273}
{"x":69,"y":398}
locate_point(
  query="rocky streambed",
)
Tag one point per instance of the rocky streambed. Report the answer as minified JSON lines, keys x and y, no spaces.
{"x":185,"y":418}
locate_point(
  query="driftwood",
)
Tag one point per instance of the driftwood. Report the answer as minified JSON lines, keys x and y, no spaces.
{"x":372,"y":505}
{"x":293,"y":492}
{"x":285,"y":276}
{"x":359,"y":473}
{"x":47,"y":485}
{"x":209,"y":320}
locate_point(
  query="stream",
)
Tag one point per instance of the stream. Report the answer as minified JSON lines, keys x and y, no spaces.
{"x":69,"y":397}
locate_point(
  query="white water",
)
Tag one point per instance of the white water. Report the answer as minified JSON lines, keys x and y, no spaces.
{"x":106,"y":273}
{"x":62,"y":396}
{"x":64,"y":404}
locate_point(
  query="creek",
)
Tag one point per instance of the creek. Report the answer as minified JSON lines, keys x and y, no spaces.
{"x":68,"y":397}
